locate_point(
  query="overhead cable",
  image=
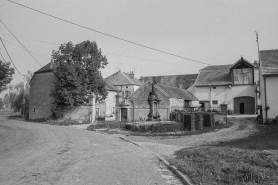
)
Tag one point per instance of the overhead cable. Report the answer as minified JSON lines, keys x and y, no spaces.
{"x":21,"y":44}
{"x":10,"y":57}
{"x":115,"y":37}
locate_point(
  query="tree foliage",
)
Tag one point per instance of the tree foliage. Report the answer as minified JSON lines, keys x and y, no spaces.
{"x":6,"y":73}
{"x":78,"y":72}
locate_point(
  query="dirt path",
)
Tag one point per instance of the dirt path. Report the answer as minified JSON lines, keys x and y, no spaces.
{"x":32,"y":153}
{"x":242,"y":127}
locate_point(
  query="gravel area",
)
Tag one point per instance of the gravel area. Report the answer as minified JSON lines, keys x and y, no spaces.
{"x":241,"y":127}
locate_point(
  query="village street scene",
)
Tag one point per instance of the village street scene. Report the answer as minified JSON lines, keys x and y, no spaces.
{"x":139,"y":92}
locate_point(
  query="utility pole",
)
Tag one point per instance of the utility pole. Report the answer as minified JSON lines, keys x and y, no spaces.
{"x":260,"y":77}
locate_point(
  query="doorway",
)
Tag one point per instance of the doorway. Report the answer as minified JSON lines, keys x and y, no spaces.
{"x":241,"y":108}
{"x":123,"y":114}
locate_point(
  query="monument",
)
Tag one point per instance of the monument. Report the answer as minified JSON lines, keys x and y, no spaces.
{"x":153,"y":101}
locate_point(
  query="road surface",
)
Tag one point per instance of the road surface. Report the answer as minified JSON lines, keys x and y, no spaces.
{"x":34,"y":153}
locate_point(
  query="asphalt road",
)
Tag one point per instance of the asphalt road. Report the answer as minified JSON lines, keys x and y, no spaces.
{"x":34,"y":153}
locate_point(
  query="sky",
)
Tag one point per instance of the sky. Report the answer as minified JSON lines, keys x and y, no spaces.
{"x":214,"y":32}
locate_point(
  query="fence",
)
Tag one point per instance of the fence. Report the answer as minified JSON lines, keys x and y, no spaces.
{"x":197,"y":120}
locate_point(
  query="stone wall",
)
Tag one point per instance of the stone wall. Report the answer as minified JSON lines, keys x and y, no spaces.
{"x":81,"y":113}
{"x":41,"y":87}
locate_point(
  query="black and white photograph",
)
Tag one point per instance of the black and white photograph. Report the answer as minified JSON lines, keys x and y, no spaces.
{"x":129,"y":92}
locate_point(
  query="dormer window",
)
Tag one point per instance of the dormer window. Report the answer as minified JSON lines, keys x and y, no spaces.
{"x":242,"y":72}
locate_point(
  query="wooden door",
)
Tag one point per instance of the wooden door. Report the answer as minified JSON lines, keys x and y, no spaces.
{"x":123,"y":114}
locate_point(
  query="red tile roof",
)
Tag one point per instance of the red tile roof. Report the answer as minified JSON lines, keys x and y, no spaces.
{"x":121,"y":78}
{"x":214,"y":75}
{"x":47,"y":68}
{"x":173,"y":92}
{"x":269,"y":60}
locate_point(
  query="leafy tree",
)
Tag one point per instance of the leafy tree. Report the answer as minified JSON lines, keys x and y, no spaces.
{"x":78,"y":72}
{"x":6,"y":73}
{"x":1,"y":103}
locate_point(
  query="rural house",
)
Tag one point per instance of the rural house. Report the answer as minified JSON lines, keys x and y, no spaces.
{"x":125,"y":84}
{"x":41,"y":86}
{"x":228,"y":87}
{"x":269,"y":83}
{"x":136,"y":107}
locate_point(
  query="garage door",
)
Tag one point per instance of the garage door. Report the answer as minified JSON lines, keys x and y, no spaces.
{"x":244,"y":105}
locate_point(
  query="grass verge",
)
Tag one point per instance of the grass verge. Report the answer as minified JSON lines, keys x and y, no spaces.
{"x":223,"y":165}
{"x":251,"y":160}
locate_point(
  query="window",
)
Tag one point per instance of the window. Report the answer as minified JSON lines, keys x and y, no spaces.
{"x":214,"y":87}
{"x":215,"y":102}
{"x":126,"y":94}
{"x":114,"y":110}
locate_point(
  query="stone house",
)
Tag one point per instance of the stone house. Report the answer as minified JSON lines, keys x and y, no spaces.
{"x":119,"y":82}
{"x":230,"y":87}
{"x":136,"y":107}
{"x":41,"y":86}
{"x":269,"y":83}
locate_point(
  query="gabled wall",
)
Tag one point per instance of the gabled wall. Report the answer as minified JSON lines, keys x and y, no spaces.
{"x":41,"y":87}
{"x":271,"y":85}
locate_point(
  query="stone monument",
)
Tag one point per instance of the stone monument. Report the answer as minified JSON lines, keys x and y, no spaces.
{"x":153,"y":101}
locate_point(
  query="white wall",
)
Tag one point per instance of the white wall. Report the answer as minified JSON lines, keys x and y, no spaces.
{"x":271,"y":95}
{"x":223,"y":94}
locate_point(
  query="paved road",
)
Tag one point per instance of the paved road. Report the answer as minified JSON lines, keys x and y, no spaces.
{"x":33,"y":153}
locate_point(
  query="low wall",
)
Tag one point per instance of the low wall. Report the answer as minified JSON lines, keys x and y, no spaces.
{"x":81,"y":113}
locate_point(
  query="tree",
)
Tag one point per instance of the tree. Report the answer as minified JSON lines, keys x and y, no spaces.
{"x":78,"y":72}
{"x":6,"y":73}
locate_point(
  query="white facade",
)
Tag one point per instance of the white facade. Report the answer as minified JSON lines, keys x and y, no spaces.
{"x":269,"y":96}
{"x":223,"y":94}
{"x":107,"y":108}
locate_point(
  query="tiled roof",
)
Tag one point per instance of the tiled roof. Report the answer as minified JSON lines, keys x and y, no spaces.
{"x":173,"y":92}
{"x":184,"y":81}
{"x":47,"y":68}
{"x":121,"y":78}
{"x":215,"y":75}
{"x":110,"y":87}
{"x":269,"y":60}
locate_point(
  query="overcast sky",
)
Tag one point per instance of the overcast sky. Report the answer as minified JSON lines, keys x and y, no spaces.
{"x":214,"y":32}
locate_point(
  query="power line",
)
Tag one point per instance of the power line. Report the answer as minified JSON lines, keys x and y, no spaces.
{"x":115,"y":37}
{"x":10,"y":57}
{"x":2,"y":57}
{"x":28,"y":50}
{"x":106,"y":53}
{"x":33,"y":39}
{"x":21,"y":44}
{"x":149,"y":60}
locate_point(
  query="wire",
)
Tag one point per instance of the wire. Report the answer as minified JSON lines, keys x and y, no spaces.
{"x":21,"y":44}
{"x":2,"y":57}
{"x":149,"y":60}
{"x":10,"y":57}
{"x":106,"y":53}
{"x":33,"y":39}
{"x":28,"y":50}
{"x":115,"y":37}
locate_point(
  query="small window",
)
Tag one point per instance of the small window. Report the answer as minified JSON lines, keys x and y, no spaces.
{"x":215,"y":102}
{"x":114,"y":110}
{"x":214,"y":87}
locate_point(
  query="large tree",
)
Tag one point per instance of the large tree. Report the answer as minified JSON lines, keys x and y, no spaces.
{"x":78,"y":71}
{"x":6,"y":73}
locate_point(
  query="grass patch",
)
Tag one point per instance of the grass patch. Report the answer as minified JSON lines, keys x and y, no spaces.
{"x":265,"y":139}
{"x":223,"y":165}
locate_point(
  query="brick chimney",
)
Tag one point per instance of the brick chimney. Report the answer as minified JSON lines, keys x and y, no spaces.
{"x":131,"y":74}
{"x":51,"y":63}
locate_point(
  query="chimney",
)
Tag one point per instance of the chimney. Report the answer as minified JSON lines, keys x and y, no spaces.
{"x":256,"y":63}
{"x":180,"y":86}
{"x":131,"y":74}
{"x":141,"y":79}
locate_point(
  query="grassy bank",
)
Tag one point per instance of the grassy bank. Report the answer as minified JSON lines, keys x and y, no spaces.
{"x":251,"y":160}
{"x":223,"y":165}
